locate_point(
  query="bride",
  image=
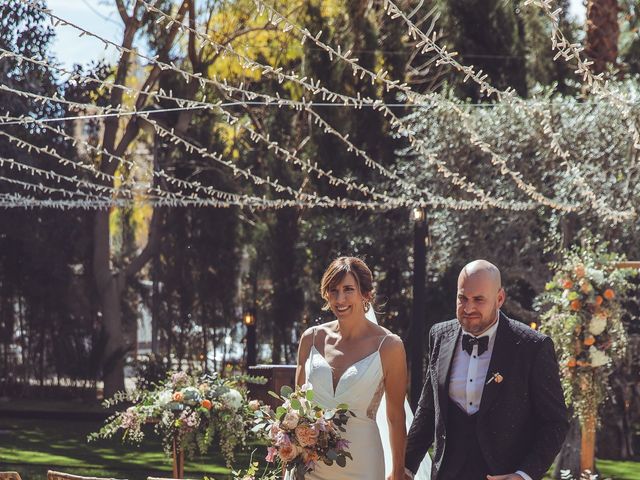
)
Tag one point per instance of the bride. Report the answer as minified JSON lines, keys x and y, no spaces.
{"x":354,"y":360}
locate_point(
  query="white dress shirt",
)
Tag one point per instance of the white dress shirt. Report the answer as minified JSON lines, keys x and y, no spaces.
{"x":468,"y":376}
{"x":469,"y":372}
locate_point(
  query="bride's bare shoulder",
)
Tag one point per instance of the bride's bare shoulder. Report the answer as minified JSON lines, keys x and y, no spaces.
{"x":324,"y":328}
{"x":306,"y":339}
{"x":392,"y":346}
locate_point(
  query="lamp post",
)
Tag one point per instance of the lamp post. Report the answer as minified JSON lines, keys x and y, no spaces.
{"x":418,"y":319}
{"x":249,"y":319}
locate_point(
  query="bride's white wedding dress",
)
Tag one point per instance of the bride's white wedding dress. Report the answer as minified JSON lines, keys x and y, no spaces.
{"x":361,"y":387}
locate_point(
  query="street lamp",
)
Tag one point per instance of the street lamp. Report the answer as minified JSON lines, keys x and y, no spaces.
{"x":418,"y":214}
{"x":249,"y":319}
{"x":419,"y":307}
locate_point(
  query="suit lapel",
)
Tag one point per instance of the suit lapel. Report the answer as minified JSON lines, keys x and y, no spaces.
{"x":445,"y":358}
{"x":501,"y":359}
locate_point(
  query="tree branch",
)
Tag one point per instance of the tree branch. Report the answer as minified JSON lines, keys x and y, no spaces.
{"x":132,"y":128}
{"x":150,"y":248}
{"x":122,"y":10}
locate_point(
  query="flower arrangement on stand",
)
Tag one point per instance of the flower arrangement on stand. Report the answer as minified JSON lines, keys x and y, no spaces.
{"x":584,"y":301}
{"x":301,"y":433}
{"x":189,"y":412}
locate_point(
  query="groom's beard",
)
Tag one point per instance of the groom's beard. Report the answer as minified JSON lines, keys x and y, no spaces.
{"x":477,"y":323}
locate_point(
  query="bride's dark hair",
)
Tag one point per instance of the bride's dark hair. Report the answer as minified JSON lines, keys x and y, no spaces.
{"x":339,"y":268}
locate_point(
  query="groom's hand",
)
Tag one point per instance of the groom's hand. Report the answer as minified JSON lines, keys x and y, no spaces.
{"x":511,"y":476}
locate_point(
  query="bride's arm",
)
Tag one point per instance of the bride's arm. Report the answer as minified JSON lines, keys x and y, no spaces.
{"x":395,"y":386}
{"x":303,"y":353}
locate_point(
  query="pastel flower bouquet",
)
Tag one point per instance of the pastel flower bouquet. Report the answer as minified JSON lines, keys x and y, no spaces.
{"x":189,"y":412}
{"x":301,"y":433}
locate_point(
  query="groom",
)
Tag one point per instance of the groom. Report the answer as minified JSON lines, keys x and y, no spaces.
{"x":492,"y":401}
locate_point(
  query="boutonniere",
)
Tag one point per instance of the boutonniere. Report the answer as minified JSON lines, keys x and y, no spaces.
{"x":496,"y":377}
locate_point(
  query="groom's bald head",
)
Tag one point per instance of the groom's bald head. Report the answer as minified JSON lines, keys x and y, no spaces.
{"x":480,"y":295}
{"x":487,"y":270}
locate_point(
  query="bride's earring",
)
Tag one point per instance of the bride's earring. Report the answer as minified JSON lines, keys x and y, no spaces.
{"x":366,"y":306}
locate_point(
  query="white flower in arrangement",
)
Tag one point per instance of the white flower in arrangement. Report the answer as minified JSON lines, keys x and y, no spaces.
{"x":598,"y":357}
{"x":597,"y":324}
{"x":191,"y":395}
{"x":596,"y":275}
{"x":232,"y":398}
{"x":290,"y":420}
{"x":165,"y":397}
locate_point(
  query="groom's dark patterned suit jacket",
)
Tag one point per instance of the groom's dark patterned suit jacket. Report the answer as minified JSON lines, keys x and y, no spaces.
{"x":523,"y":419}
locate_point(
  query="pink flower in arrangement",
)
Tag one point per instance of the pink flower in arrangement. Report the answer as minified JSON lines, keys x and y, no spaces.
{"x":179,"y":379}
{"x":307,"y":435}
{"x":191,"y":420}
{"x":310,"y":458}
{"x":321,"y":425}
{"x":274,"y":430}
{"x":288,"y":452}
{"x":282,"y":439}
{"x":129,"y":419}
{"x":272,"y":452}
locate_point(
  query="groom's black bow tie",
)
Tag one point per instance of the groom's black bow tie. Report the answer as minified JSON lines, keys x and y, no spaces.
{"x":468,"y":341}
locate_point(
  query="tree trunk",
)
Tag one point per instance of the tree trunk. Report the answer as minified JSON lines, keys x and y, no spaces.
{"x":569,"y":456}
{"x":603,"y":31}
{"x":110,"y":284}
{"x":287,"y":295}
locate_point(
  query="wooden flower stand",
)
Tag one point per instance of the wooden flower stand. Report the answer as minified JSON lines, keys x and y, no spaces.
{"x":588,"y":445}
{"x":178,"y":460}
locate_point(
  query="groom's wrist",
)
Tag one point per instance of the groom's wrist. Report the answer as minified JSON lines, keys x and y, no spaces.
{"x":410,"y":474}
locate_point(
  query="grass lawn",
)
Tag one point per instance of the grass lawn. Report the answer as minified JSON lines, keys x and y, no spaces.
{"x":33,"y":446}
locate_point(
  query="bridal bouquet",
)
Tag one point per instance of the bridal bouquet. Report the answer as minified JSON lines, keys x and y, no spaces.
{"x":301,"y":433}
{"x":188,"y":413}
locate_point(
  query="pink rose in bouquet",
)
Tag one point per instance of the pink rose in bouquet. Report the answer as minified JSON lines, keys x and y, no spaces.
{"x":307,"y":435}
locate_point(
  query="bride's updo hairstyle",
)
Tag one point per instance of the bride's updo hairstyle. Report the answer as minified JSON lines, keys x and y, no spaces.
{"x":339,"y":269}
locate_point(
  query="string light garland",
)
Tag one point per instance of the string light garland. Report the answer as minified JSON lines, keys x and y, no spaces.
{"x":506,"y":96}
{"x":358,"y":102}
{"x":455,"y":178}
{"x":432,"y":200}
{"x":191,"y":148}
{"x":428,"y":44}
{"x":192,"y":104}
{"x":228,"y":199}
{"x":573,"y":51}
{"x":496,"y":160}
{"x":275,"y":18}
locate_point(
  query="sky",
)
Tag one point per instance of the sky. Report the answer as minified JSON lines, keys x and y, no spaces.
{"x":102,"y":18}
